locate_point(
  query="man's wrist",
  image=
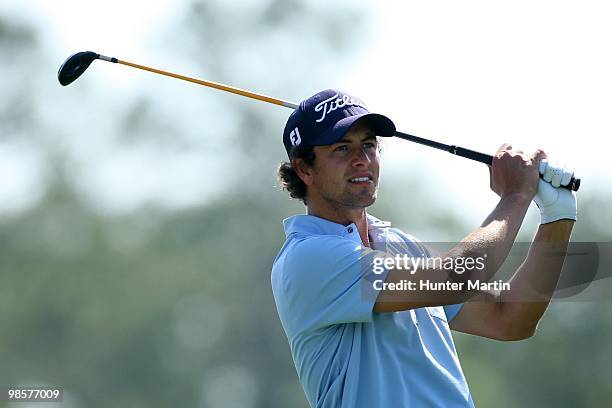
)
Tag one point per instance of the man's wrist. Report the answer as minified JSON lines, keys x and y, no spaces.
{"x":546,"y":219}
{"x":556,"y":231}
{"x":519,"y":198}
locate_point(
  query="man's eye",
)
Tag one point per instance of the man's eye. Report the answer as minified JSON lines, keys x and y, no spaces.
{"x":342,"y":148}
{"x":369,"y":145}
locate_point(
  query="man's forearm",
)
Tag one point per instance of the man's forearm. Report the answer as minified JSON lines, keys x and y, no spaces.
{"x":494,"y":238}
{"x":534,"y":282}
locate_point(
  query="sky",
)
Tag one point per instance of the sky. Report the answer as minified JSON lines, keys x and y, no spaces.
{"x":480,"y":73}
{"x":473,"y":73}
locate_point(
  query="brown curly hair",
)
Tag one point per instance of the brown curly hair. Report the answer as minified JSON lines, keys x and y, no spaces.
{"x":287,"y":176}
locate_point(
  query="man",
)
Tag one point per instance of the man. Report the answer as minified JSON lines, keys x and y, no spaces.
{"x":358,"y":341}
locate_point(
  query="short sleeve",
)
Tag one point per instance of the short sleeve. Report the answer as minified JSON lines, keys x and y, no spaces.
{"x":329,"y":280}
{"x":451,"y":311}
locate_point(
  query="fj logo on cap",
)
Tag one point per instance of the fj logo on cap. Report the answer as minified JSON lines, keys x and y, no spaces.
{"x":295,"y":138}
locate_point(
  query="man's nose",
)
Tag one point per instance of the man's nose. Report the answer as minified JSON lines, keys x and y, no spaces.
{"x":361,"y":157}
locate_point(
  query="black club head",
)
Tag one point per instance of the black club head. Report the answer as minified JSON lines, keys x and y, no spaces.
{"x":74,"y":66}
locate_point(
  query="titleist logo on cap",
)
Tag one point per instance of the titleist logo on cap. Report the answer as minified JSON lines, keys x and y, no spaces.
{"x":335,"y":102}
{"x":325,"y":117}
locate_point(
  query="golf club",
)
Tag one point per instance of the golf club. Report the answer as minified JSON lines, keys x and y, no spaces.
{"x":78,"y":63}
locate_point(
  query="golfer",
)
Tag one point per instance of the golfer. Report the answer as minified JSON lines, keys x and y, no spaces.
{"x":366,"y":330}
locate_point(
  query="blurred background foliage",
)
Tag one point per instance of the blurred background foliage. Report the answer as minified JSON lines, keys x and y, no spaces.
{"x":148,"y":304}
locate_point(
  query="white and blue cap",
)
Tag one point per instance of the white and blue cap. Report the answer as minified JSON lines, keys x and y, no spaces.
{"x":325,"y":117}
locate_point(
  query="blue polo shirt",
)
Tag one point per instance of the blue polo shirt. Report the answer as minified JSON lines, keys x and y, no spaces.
{"x":345,"y":354}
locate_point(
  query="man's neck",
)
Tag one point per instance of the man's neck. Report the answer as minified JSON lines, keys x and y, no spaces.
{"x":345,"y":217}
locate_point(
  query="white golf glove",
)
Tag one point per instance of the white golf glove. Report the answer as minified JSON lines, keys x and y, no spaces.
{"x":555,"y":203}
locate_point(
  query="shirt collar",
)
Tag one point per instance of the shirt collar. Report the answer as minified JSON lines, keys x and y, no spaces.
{"x":312,"y":225}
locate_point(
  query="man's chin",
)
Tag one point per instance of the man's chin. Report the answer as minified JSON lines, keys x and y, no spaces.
{"x":353,"y":200}
{"x":371,"y":201}
{"x":362,"y":201}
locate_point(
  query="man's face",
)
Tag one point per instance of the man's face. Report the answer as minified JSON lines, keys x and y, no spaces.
{"x":346,"y":173}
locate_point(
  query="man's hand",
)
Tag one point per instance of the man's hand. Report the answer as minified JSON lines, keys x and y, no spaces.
{"x":555,"y":203}
{"x":512,"y":172}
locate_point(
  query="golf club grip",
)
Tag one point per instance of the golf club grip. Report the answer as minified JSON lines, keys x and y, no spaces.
{"x":573,"y":185}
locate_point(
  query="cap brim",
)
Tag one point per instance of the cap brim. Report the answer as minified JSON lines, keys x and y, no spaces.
{"x":382,"y":125}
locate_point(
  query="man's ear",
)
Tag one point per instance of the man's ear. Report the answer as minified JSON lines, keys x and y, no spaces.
{"x":304,"y":171}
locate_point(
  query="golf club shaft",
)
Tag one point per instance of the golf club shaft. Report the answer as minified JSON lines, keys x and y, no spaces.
{"x":215,"y":85}
{"x":456,"y":150}
{"x":470,"y":154}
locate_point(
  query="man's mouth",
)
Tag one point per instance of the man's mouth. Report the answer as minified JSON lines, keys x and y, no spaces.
{"x":361,"y":180}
